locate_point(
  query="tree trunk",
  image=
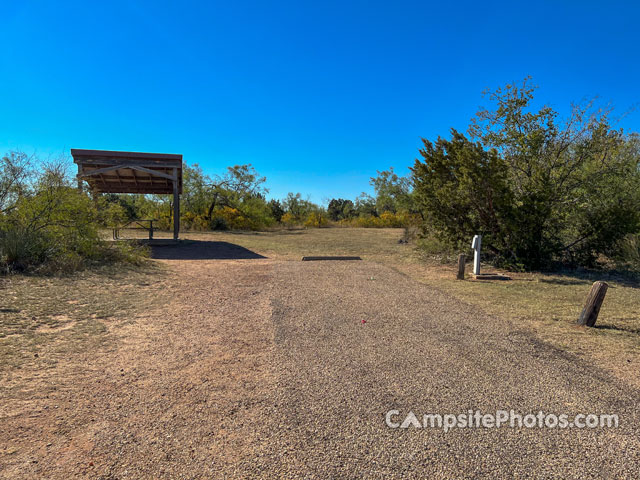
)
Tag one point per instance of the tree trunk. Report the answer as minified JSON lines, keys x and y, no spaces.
{"x":212,"y":206}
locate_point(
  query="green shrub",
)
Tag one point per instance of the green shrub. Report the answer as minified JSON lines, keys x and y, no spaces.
{"x":628,"y":252}
{"x":20,"y":248}
{"x":52,"y":227}
{"x":401,"y":219}
{"x":218,"y":223}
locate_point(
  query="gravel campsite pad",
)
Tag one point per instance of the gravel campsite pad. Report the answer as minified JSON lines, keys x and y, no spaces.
{"x":262,"y":368}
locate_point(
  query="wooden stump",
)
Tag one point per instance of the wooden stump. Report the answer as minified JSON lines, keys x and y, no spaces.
{"x":461,"y":260}
{"x":591,"y":308}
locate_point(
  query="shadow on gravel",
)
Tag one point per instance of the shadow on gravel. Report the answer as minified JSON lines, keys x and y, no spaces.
{"x":203,"y":250}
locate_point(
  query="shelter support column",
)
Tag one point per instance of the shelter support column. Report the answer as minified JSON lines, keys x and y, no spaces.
{"x":176,"y":205}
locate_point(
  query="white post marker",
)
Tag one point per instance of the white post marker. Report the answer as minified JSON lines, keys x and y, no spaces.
{"x":476,"y":244}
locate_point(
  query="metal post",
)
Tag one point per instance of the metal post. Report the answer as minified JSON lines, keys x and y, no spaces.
{"x":176,"y":205}
{"x":476,"y":245}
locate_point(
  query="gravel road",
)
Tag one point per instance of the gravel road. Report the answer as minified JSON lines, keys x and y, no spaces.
{"x":281,"y":369}
{"x":421,"y":351}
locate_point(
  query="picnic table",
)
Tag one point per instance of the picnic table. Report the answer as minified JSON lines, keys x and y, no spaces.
{"x":140,"y":222}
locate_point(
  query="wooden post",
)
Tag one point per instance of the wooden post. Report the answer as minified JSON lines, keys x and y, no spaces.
{"x":176,"y":205}
{"x":591,"y":308}
{"x":461,"y":260}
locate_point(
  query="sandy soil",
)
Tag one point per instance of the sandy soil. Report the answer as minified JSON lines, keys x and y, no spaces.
{"x":259,"y":368}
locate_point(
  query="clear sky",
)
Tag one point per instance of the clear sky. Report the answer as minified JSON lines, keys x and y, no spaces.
{"x":316,"y":95}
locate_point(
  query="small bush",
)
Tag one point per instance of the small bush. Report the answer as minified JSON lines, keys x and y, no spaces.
{"x":218,"y":223}
{"x":629,"y":253}
{"x":288,"y":220}
{"x":316,"y":220}
{"x":19,"y":249}
{"x":434,"y":245}
{"x":124,"y":252}
{"x":385,"y":220}
{"x":233,"y":218}
{"x":194,"y":221}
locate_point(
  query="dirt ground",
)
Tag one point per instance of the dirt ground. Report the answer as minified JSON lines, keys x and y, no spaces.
{"x":240,"y":363}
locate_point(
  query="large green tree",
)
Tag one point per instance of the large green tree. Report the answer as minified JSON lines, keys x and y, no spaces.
{"x":393,"y":192}
{"x":339,"y":209}
{"x":464,"y":189}
{"x":540,"y":188}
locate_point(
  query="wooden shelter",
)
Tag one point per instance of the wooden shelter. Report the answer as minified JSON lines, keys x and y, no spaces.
{"x":132,"y":172}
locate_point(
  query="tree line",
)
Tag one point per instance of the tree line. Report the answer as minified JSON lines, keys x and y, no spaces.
{"x":540,"y":188}
{"x":237,"y":200}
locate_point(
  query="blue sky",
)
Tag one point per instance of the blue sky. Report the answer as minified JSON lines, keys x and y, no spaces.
{"x":316,"y":95}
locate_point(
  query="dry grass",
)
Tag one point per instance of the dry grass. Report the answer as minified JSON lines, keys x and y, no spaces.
{"x":62,"y":314}
{"x":375,"y":244}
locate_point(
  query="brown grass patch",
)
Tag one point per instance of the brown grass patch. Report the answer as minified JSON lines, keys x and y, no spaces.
{"x":45,"y":318}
